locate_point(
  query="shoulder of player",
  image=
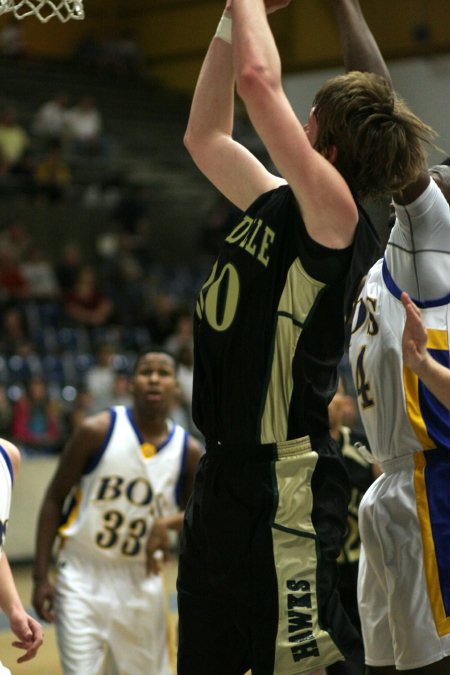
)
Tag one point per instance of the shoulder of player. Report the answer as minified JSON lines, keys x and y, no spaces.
{"x":94,"y":427}
{"x":13,"y":453}
{"x":194,"y":451}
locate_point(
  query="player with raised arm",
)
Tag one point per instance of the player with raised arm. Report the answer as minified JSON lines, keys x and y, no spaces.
{"x":257,"y":583}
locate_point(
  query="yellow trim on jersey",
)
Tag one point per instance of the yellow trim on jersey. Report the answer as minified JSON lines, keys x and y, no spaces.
{"x":411,"y":388}
{"x":437,"y":339}
{"x":430,"y":563}
{"x":73,"y":513}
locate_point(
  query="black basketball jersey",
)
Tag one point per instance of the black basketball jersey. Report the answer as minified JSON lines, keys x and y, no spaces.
{"x":269,"y":325}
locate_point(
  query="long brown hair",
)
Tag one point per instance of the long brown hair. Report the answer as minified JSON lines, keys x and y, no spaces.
{"x":380,"y":142}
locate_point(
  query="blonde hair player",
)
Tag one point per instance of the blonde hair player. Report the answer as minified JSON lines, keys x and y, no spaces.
{"x":257,"y":582}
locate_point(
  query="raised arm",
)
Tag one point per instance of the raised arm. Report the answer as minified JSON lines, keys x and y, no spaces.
{"x":234,"y":171}
{"x":252,"y":60}
{"x":416,"y":356}
{"x":359,"y":47}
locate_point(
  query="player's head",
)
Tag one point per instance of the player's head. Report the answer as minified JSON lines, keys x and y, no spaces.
{"x":154,"y":383}
{"x":441,"y":176}
{"x":379,"y":142}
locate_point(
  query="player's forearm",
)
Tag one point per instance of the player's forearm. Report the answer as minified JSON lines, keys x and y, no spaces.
{"x":46,"y":533}
{"x":212,"y":109}
{"x":359,"y":47}
{"x":436,"y":378}
{"x":255,"y":53}
{"x":9,"y":597}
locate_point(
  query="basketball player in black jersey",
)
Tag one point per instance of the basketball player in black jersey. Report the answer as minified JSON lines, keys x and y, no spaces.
{"x":258,"y":578}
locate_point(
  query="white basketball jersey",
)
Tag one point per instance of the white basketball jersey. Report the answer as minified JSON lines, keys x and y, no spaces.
{"x":399,"y":414}
{"x":6,"y":483}
{"x":127,"y":485}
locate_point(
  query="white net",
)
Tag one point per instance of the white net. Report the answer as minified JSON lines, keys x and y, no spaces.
{"x":44,"y":10}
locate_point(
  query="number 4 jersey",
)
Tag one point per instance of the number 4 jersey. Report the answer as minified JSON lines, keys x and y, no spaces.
{"x":400,"y":415}
{"x":127,"y":486}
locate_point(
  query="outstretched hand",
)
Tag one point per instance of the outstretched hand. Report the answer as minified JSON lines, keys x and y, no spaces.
{"x":414,"y":341}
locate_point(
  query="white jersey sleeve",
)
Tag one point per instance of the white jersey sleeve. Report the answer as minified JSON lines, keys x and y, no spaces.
{"x":418,"y":250}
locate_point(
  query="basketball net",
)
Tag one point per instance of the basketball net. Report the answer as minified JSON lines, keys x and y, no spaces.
{"x":44,"y":10}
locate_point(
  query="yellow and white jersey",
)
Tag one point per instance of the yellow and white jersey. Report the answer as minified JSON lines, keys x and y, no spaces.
{"x":128,"y":484}
{"x":399,"y":414}
{"x":6,"y":483}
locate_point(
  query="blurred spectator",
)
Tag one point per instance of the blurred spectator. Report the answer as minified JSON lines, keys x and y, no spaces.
{"x":11,"y":40}
{"x":124,"y":278}
{"x":121,"y":390}
{"x":132,"y":207}
{"x":100,"y":378}
{"x":38,"y":272}
{"x":182,"y":335}
{"x":185,"y":357}
{"x":49,"y":121}
{"x":161,"y":322}
{"x":14,"y":138}
{"x":13,"y":285}
{"x":21,"y":174}
{"x":80,"y":409}
{"x":36,"y":423}
{"x":120,"y":55}
{"x":85,"y":302}
{"x":5,"y":413}
{"x":68,"y":266}
{"x":14,"y":331}
{"x":15,"y":239}
{"x":52,"y":175}
{"x":85,"y":128}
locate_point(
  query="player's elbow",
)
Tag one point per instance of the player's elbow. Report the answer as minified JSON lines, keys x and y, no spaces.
{"x":254,"y":81}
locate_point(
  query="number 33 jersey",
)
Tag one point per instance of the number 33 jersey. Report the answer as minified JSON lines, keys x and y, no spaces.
{"x":399,"y":414}
{"x":129,"y":484}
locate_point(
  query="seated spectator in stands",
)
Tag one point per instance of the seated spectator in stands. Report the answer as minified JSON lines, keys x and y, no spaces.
{"x":132,"y":207}
{"x":21,"y":174}
{"x":182,"y":334}
{"x":124,"y":277}
{"x":79,"y":410}
{"x":85,"y":302}
{"x":49,"y":121}
{"x":15,"y":239}
{"x":161,"y":322}
{"x":37,"y":423}
{"x":100,"y":379}
{"x":121,"y":390}
{"x":68,"y":266}
{"x":13,"y":285}
{"x":14,"y":138}
{"x":84,"y":127}
{"x":39,"y":274}
{"x":14,"y":330}
{"x":52,"y":176}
